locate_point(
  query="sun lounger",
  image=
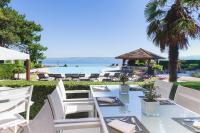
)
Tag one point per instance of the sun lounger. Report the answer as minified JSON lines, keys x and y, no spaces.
{"x":94,"y":77}
{"x":75,"y":77}
{"x":81,"y":75}
{"x":56,"y":76}
{"x":105,"y":77}
{"x":84,"y":79}
{"x":116,"y":77}
{"x":68,"y":77}
{"x":44,"y":77}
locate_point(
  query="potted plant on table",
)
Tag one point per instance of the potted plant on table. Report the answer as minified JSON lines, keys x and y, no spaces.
{"x":124,"y":87}
{"x":149,"y":103}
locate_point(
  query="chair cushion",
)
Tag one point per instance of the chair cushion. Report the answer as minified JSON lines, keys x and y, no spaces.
{"x":70,"y":109}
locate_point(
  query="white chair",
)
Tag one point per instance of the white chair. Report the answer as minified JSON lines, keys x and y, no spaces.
{"x":64,"y":92}
{"x":8,"y":92}
{"x":11,"y":104}
{"x":78,"y":104}
{"x":51,"y":119}
{"x":163,"y":88}
{"x":188,"y":98}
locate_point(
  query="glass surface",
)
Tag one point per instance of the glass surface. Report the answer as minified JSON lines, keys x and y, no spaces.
{"x":159,"y":124}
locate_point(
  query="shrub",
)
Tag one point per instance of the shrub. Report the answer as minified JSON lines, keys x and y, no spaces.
{"x":196,"y":74}
{"x":157,"y":68}
{"x":193,"y":66}
{"x":37,"y":65}
{"x":185,"y":64}
{"x":193,"y":85}
{"x":6,"y":71}
{"x":18,"y":69}
{"x":123,"y":78}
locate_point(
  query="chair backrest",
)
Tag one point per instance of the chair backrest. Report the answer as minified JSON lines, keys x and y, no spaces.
{"x":116,"y":75}
{"x":16,"y":100}
{"x":81,"y":75}
{"x":58,"y":75}
{"x":68,"y":75}
{"x":94,"y":75}
{"x":56,"y":104}
{"x":62,"y":89}
{"x":163,"y":88}
{"x":188,"y":98}
{"x":75,"y":75}
{"x":106,"y":75}
{"x":41,"y":75}
{"x":43,"y":121}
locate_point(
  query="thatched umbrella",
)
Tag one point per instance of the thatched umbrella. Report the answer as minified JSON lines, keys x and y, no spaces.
{"x":139,"y":54}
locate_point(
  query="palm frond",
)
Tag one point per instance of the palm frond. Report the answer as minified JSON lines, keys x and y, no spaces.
{"x":192,"y":3}
{"x":162,"y":2}
{"x":152,"y":10}
{"x":187,"y":26}
{"x":172,"y":27}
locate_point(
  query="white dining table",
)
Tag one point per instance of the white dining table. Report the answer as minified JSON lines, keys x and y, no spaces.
{"x":162,"y":123}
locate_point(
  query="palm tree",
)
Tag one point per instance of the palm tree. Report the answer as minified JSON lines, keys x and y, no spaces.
{"x":171,"y":24}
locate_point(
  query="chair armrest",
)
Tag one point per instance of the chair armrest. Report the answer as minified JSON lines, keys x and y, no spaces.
{"x":78,"y":100}
{"x":77,"y":91}
{"x":79,"y":103}
{"x":80,"y":125}
{"x":76,"y":120}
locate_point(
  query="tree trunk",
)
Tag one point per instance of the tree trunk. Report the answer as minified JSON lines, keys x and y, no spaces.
{"x":173,"y":62}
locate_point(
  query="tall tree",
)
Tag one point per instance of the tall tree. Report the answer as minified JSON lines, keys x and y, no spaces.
{"x":36,"y":52}
{"x":4,"y":3}
{"x":17,"y":31}
{"x":171,"y":25}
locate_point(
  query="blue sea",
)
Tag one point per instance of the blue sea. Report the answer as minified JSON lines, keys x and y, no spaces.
{"x":85,"y":65}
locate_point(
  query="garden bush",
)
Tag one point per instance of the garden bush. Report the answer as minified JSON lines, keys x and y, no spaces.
{"x":196,"y":74}
{"x":185,"y":64}
{"x":193,"y":85}
{"x":6,"y":71}
{"x":158,"y":68}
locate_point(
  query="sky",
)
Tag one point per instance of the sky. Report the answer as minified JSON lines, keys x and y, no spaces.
{"x":92,"y":28}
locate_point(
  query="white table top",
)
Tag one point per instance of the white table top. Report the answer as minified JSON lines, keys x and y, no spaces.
{"x":158,"y":124}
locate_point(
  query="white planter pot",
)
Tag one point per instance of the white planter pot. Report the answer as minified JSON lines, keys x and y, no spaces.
{"x":124,"y":89}
{"x":149,"y":108}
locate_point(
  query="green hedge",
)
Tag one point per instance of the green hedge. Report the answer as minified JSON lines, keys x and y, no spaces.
{"x":196,"y":74}
{"x":6,"y":71}
{"x":193,"y":85}
{"x":185,"y":64}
